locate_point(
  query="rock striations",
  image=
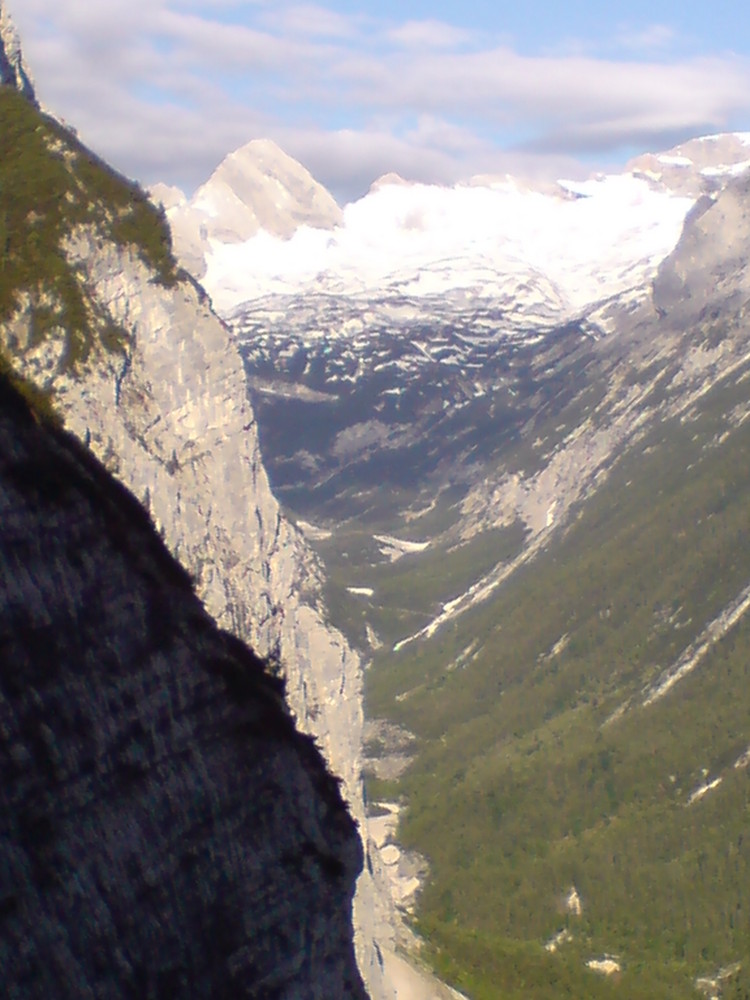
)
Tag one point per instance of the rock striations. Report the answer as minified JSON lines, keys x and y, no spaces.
{"x":164,"y":830}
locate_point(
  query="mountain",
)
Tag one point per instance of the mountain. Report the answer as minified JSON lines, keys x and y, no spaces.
{"x":699,"y":166}
{"x":514,"y":425}
{"x":572,"y":243}
{"x":105,"y":329}
{"x":154,"y":788}
{"x":13,"y":69}
{"x":434,"y":326}
{"x":257,"y":188}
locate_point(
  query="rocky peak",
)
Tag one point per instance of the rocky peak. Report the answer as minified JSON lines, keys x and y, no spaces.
{"x":13,"y":69}
{"x":260,"y":187}
{"x":256,"y":188}
{"x":699,"y":166}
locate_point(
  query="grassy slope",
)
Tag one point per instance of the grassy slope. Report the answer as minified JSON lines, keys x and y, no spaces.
{"x":519,"y":792}
{"x":410,"y":591}
{"x":49,"y":184}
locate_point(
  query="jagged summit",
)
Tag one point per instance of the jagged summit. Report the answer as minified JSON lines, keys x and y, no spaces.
{"x":260,"y":187}
{"x":13,"y":69}
{"x":256,"y":189}
{"x":698,"y":166}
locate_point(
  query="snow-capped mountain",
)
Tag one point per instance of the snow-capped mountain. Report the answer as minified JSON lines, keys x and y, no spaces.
{"x":433,"y":322}
{"x":576,"y":242}
{"x":514,"y":421}
{"x":474,"y":338}
{"x":257,"y":188}
{"x":542,"y":253}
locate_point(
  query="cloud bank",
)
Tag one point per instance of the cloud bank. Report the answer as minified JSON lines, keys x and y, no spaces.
{"x":165,"y":88}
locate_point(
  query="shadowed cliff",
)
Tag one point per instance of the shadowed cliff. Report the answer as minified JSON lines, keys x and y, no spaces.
{"x":164,"y":830}
{"x":123,"y":345}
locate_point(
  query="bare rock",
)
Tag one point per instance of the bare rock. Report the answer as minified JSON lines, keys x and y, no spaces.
{"x":164,"y":829}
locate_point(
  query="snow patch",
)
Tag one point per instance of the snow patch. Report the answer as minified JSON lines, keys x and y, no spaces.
{"x":573,"y":904}
{"x":395,"y":548}
{"x":312,"y":532}
{"x":675,"y":161}
{"x":704,"y":790}
{"x":607,"y":965}
{"x":735,"y":170}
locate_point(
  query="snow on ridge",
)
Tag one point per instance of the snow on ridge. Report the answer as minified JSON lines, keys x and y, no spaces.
{"x":486,"y":240}
{"x":675,"y":161}
{"x":733,"y":170}
{"x":743,"y":137}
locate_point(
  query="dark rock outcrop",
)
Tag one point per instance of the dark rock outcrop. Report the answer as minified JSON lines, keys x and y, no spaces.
{"x":164,"y":829}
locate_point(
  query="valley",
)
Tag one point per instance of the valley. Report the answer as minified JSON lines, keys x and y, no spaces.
{"x":537,"y":535}
{"x":468,"y":465}
{"x":508,"y":426}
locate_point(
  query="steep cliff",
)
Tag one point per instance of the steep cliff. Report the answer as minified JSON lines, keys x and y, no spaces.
{"x":13,"y":70}
{"x":164,"y":830}
{"x":94,"y":313}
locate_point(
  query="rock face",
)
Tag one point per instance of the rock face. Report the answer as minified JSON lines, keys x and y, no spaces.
{"x":164,"y":831}
{"x":13,"y":70}
{"x":710,"y":263}
{"x":257,"y":187}
{"x":260,"y":187}
{"x":173,"y":422}
{"x":144,"y":373}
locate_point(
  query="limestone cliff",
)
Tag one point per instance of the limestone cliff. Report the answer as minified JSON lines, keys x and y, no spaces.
{"x":164,"y":829}
{"x":93,"y":313}
{"x":13,"y":69}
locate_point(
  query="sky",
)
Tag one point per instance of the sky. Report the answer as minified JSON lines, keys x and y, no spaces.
{"x":435,"y":92}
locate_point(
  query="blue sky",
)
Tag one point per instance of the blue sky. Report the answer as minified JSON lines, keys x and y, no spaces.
{"x":434,"y":91}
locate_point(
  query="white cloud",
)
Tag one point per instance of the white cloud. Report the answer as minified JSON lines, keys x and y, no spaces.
{"x":652,"y":37}
{"x":311,"y":21}
{"x":165,"y":88}
{"x":428,"y":35}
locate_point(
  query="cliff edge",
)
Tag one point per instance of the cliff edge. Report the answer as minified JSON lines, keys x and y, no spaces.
{"x":164,"y":829}
{"x":96,"y":315}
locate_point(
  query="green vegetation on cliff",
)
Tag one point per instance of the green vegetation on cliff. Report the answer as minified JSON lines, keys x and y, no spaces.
{"x":524,"y":786}
{"x":50,"y":187}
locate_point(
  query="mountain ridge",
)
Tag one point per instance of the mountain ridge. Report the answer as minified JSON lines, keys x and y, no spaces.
{"x":131,"y":857}
{"x":97,"y":319}
{"x":473,"y":230}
